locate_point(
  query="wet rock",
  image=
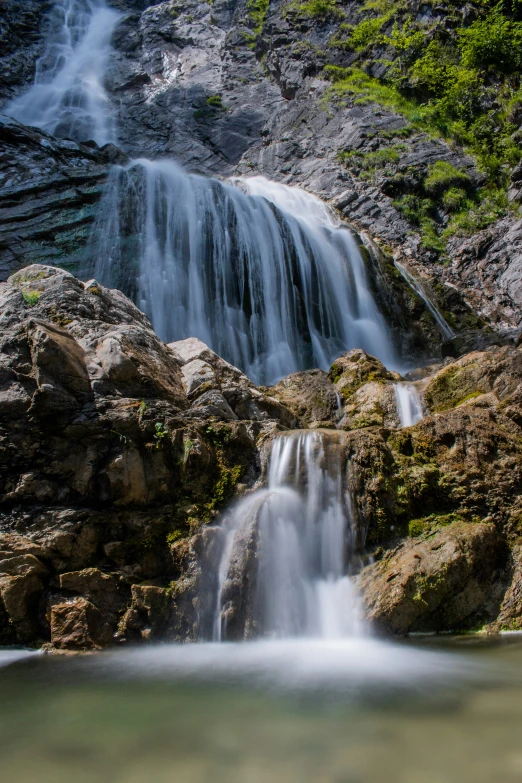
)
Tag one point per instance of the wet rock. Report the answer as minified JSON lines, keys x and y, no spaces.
{"x":22,"y":579}
{"x":148,"y":616}
{"x":510,"y":614}
{"x":371,"y":405}
{"x":78,"y":625}
{"x":49,"y":189}
{"x":311,"y":396}
{"x":446,"y":581}
{"x":495,"y":372}
{"x":355,"y":368}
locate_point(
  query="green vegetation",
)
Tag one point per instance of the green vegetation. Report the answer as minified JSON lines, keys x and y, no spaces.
{"x":314,"y":9}
{"x":219,"y":434}
{"x":366,"y":32}
{"x":160,"y":433}
{"x":31,"y":297}
{"x":224,"y":486}
{"x":453,"y":81}
{"x":176,"y":535}
{"x":123,"y":438}
{"x":187,"y":448}
{"x":213,"y":104}
{"x":257,"y":11}
{"x":442,"y":176}
{"x":418,"y":527}
{"x":216,"y":102}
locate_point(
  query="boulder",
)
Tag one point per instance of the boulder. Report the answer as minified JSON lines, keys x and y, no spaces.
{"x":77,"y":624}
{"x":444,"y":581}
{"x":311,"y":396}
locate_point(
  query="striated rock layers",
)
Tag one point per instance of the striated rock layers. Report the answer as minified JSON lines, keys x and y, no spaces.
{"x":117,"y":453}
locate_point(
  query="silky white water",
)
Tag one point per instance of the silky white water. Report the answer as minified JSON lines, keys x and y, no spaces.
{"x":410,"y":407}
{"x":263,"y":273}
{"x":68,"y":98}
{"x":445,"y":329}
{"x":284,"y":569}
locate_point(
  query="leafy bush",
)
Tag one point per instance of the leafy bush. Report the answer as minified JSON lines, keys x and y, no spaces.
{"x":415,"y":208}
{"x":366,"y":32}
{"x":160,"y":432}
{"x":257,"y":10}
{"x":442,"y":176}
{"x":315,"y":9}
{"x":491,"y":205}
{"x":440,"y":79}
{"x":453,"y":199}
{"x":216,"y":101}
{"x":494,"y":41}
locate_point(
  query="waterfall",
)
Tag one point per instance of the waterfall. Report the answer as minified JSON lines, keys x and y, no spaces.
{"x":410,"y":407}
{"x":284,"y":569}
{"x":445,"y":329}
{"x":68,"y":99}
{"x":261,"y":272}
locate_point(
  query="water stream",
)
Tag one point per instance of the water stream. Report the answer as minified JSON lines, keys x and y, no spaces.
{"x":445,"y":329}
{"x":263,"y":273}
{"x":410,"y":406}
{"x":68,"y":98}
{"x":284,"y":570}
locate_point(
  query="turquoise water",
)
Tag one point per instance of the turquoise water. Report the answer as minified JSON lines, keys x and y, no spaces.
{"x":297,"y":712}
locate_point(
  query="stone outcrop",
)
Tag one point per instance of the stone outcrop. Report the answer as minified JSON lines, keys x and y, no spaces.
{"x":436,"y":583}
{"x":438,"y":504}
{"x":106,"y":460}
{"x":49,"y":189}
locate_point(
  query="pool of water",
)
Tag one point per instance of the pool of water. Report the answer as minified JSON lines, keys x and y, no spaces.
{"x":423,"y":711}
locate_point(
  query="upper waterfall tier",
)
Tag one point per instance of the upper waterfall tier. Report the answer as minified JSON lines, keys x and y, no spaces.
{"x":263,"y":273}
{"x":68,"y":99}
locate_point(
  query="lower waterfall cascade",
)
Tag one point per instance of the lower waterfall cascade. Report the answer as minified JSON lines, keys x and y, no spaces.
{"x":263,"y":273}
{"x":288,"y":548}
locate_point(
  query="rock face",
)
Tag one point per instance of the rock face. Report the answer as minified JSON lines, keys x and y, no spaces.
{"x":227,"y":93}
{"x":437,"y":583}
{"x":49,"y":189}
{"x":438,"y":504}
{"x":106,"y":460}
{"x":117,"y":451}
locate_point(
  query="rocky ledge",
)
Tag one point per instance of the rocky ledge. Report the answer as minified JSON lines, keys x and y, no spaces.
{"x":118,"y":452}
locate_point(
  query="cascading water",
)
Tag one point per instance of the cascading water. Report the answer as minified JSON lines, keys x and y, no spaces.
{"x":410,"y":407}
{"x":445,"y":329}
{"x":288,"y":548}
{"x":68,"y":99}
{"x":263,"y":273}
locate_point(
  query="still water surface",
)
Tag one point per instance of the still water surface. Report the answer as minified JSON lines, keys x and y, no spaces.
{"x":437,"y":711}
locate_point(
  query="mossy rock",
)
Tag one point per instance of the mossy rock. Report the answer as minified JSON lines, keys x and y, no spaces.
{"x":353,"y":369}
